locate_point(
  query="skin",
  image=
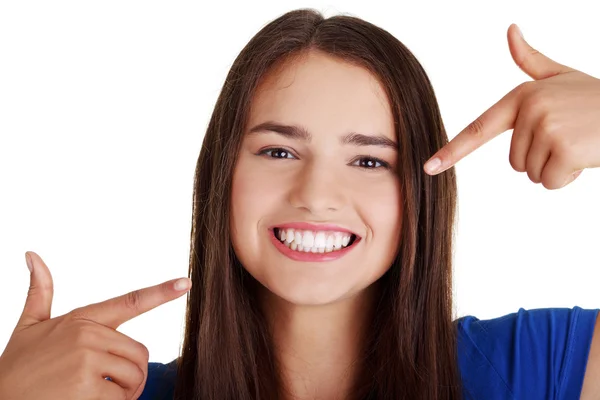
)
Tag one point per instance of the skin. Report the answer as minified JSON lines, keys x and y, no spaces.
{"x":556,"y":135}
{"x":317,"y":310}
{"x":554,"y":118}
{"x":67,"y":357}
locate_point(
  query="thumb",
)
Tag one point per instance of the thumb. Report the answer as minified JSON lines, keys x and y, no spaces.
{"x":41,"y":289}
{"x":531,"y":61}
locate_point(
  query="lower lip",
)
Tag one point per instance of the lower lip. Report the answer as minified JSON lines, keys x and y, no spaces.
{"x":310,"y":256}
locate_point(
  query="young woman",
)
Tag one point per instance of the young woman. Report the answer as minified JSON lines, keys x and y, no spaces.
{"x":321,"y":249}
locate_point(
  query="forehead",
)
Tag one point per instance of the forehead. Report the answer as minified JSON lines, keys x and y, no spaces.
{"x":323,"y":93}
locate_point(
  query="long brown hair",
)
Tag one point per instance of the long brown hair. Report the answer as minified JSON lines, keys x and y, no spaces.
{"x":411,"y":353}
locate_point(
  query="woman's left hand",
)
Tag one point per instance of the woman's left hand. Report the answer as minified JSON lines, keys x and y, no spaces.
{"x":555,"y":118}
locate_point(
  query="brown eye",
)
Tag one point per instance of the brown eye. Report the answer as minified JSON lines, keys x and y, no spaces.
{"x":371,"y":163}
{"x":276,"y":152}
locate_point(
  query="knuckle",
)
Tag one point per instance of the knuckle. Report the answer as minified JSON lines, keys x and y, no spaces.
{"x":140,"y":349}
{"x":525,"y":87}
{"x":539,"y":99}
{"x":35,"y":288}
{"x":475,"y":129}
{"x":85,"y":336}
{"x":86,"y":359}
{"x":133,"y":300}
{"x":528,"y":107}
{"x":78,"y":314}
{"x":547,"y":126}
{"x":565,"y":150}
{"x":139,"y":376}
{"x":143,"y":350}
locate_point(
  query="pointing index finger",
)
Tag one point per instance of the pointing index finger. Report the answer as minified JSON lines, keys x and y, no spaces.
{"x":497,"y":119}
{"x":118,"y":310}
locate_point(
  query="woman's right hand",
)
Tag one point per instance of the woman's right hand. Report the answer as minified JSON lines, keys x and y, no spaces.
{"x":68,"y":357}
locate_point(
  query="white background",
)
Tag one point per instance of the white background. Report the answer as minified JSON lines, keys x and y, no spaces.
{"x":103,"y":107}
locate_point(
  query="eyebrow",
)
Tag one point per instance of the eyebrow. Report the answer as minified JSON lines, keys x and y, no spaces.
{"x":300,"y":133}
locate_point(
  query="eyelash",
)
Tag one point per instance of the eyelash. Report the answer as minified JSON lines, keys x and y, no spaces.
{"x":382,"y":164}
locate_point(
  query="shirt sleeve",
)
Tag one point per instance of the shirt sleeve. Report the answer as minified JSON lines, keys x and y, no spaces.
{"x":532,"y":354}
{"x":160,"y":383}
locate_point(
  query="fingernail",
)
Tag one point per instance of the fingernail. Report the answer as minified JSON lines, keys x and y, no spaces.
{"x":29,"y":262}
{"x":570,"y":178}
{"x":519,"y":30}
{"x":432,"y":166}
{"x":183,"y":284}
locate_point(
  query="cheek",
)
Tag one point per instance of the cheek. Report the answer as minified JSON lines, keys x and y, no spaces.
{"x":255,"y":196}
{"x":381,"y":210}
{"x":380,"y":202}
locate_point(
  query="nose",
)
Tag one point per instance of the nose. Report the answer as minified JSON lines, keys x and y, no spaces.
{"x":318,"y":189}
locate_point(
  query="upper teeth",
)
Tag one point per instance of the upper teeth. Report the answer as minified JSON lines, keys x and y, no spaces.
{"x":314,"y":241}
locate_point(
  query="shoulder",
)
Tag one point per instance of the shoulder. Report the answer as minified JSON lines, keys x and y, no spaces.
{"x":160,"y":384}
{"x":538,"y":353}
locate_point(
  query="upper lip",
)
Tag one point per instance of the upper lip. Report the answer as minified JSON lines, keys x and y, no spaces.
{"x":309,"y":226}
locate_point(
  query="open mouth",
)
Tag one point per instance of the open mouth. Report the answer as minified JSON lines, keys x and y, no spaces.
{"x":309,"y":241}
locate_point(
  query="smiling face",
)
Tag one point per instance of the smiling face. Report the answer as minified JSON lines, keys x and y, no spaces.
{"x":317,"y":168}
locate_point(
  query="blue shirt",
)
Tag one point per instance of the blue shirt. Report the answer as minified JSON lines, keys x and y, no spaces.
{"x":530,"y":354}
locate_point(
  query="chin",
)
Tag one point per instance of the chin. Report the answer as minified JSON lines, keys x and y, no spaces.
{"x":309,"y":292}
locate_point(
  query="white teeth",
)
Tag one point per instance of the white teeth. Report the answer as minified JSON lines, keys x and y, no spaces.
{"x":314,"y":241}
{"x":345,"y":240}
{"x":320,"y":240}
{"x":329,"y":242}
{"x":338,"y":241}
{"x":289,"y":236}
{"x":308,"y":239}
{"x":298,"y":237}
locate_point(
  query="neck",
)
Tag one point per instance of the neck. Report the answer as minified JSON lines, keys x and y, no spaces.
{"x":318,"y":348}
